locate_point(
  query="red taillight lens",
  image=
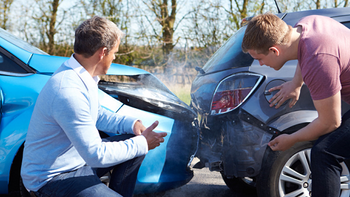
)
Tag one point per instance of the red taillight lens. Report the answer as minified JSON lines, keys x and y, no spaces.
{"x":233,"y":91}
{"x":245,"y":21}
{"x":228,"y":100}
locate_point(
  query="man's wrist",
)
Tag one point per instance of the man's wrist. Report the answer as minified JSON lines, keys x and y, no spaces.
{"x":134,"y":123}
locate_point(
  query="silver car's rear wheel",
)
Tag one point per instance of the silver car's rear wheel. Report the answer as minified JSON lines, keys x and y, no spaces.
{"x":295,"y":177}
{"x":288,"y":174}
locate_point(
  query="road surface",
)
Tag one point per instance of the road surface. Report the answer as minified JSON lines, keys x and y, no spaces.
{"x":204,"y":184}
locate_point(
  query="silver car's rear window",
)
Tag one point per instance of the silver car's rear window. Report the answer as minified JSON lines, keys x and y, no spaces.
{"x":230,"y":55}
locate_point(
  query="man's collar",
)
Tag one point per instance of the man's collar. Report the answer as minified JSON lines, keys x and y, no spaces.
{"x":82,"y":72}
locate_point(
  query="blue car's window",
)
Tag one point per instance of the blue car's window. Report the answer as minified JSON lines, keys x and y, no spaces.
{"x":8,"y":65}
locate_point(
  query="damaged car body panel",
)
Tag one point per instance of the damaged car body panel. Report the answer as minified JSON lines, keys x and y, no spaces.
{"x":24,"y":70}
{"x":146,"y":92}
{"x":236,"y":122}
{"x":166,"y":166}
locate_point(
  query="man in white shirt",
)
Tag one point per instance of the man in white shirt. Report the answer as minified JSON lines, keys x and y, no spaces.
{"x":64,"y":154}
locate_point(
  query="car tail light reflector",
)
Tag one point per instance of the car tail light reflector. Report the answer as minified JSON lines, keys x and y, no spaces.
{"x":245,"y":21}
{"x":233,"y":91}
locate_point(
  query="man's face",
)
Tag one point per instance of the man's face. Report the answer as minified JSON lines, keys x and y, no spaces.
{"x":271,"y":59}
{"x":107,"y":60}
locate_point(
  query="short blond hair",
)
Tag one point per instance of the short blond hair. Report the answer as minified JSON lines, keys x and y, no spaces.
{"x":264,"y":31}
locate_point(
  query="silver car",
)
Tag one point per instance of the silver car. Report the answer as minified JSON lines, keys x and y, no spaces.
{"x":230,"y":95}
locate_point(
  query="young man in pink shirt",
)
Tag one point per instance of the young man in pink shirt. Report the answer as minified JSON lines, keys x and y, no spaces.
{"x":324,"y":67}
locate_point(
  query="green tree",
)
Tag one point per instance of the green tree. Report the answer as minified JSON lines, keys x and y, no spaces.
{"x":5,"y":6}
{"x":165,"y":12}
{"x":46,"y":21}
{"x":344,"y":3}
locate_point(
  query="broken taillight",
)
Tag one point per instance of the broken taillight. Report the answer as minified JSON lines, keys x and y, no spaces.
{"x":233,"y":91}
{"x":245,"y":21}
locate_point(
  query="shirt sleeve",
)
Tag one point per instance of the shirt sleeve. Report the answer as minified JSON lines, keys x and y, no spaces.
{"x":72,"y":113}
{"x":322,"y":76}
{"x":112,"y":122}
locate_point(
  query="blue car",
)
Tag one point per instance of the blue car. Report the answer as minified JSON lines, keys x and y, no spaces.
{"x":24,"y":70}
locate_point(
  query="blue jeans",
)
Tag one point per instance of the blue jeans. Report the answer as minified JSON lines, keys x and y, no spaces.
{"x":85,"y":181}
{"x":326,"y":155}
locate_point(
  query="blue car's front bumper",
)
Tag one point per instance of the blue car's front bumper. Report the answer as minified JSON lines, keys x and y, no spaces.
{"x":174,"y":172}
{"x":164,"y":167}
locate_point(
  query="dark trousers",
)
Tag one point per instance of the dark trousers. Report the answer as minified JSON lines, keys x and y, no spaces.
{"x":85,"y":181}
{"x":326,"y":155}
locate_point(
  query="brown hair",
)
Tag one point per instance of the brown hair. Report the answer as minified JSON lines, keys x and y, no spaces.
{"x":95,"y":33}
{"x":264,"y":31}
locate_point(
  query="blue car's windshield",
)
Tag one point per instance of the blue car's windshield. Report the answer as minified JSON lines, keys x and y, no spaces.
{"x":20,"y":43}
{"x":230,"y":55}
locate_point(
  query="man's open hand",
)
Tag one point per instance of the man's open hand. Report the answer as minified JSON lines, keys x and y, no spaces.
{"x":153,"y":139}
{"x":287,"y":91}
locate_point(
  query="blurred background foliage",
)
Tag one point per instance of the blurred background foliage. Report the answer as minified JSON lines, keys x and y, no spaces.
{"x":166,"y":37}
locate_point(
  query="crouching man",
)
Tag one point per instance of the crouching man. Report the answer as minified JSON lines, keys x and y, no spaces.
{"x":321,"y":46}
{"x":63,"y":153}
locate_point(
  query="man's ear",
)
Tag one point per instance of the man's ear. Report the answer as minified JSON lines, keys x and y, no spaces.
{"x":275,"y":50}
{"x":102,"y":52}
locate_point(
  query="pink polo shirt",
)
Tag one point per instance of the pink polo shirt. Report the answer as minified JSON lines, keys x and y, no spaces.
{"x":324,"y":57}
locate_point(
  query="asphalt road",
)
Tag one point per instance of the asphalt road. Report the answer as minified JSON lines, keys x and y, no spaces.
{"x":204,"y":184}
